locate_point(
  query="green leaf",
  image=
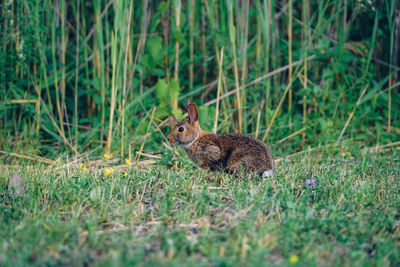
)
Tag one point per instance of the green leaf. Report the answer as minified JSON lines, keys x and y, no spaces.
{"x":154,"y":46}
{"x":178,"y":35}
{"x":161,"y":112}
{"x":177,"y":112}
{"x":162,"y":92}
{"x":158,"y":72}
{"x":163,"y":7}
{"x":206,"y":117}
{"x":323,"y":123}
{"x":173,"y":90}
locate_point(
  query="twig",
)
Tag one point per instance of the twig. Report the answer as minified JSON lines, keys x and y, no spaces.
{"x":386,"y":146}
{"x":292,"y":135}
{"x":148,"y":155}
{"x":35,"y":158}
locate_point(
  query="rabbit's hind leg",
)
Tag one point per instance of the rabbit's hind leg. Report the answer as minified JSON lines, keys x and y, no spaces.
{"x":240,"y":162}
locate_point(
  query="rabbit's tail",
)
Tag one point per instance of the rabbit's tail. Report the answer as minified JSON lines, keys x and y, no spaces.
{"x":267,"y":173}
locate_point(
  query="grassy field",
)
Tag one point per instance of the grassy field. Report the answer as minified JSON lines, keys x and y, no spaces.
{"x":313,"y":211}
{"x":96,"y":82}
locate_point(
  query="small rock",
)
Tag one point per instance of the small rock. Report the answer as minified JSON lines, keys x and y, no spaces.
{"x":16,"y":185}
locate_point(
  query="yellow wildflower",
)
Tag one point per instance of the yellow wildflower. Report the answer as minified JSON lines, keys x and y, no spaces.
{"x":83,"y":167}
{"x":127,"y":162}
{"x":125,"y":173}
{"x":294,"y":259}
{"x":107,"y":156}
{"x":108,"y":171}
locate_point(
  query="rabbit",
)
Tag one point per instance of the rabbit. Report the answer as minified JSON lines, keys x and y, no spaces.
{"x":231,"y":152}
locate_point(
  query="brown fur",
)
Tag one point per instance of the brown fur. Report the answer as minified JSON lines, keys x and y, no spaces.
{"x":230,"y":152}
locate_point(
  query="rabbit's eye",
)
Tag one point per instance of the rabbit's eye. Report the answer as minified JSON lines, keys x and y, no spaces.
{"x":181,"y":129}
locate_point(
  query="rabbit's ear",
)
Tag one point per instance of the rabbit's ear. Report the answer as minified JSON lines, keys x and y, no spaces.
{"x":188,"y":102}
{"x":193,"y":113}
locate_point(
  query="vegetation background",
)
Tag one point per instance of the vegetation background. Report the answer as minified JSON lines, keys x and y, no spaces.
{"x":101,"y":77}
{"x":86,"y":93}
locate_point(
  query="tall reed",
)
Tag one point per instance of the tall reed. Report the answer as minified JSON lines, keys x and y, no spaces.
{"x":81,"y":75}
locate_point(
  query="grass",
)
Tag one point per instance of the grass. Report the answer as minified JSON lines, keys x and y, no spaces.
{"x":81,"y":78}
{"x":170,"y":216}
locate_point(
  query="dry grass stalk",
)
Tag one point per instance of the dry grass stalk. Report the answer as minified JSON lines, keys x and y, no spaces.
{"x":257,"y":80}
{"x":292,"y":135}
{"x":34,"y":158}
{"x":146,"y":135}
{"x":352,"y":113}
{"x":125,"y":77}
{"x":290,"y":38}
{"x":218,"y":91}
{"x":148,"y":155}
